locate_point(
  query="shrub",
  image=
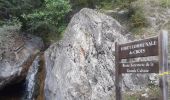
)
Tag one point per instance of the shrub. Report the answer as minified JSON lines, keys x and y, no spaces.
{"x":11,"y":22}
{"x":40,"y":17}
{"x":137,"y":19}
{"x":13,"y":9}
{"x":122,"y":4}
{"x":49,"y":19}
{"x":106,"y":5}
{"x":79,"y":4}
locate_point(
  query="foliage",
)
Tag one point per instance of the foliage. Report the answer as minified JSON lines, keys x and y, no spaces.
{"x":52,"y":13}
{"x":164,"y":3}
{"x":78,"y":4}
{"x":112,"y":4}
{"x":122,"y":3}
{"x":15,"y":8}
{"x":127,"y":96}
{"x":137,"y":19}
{"x":49,"y":19}
{"x":40,"y":17}
{"x":10,"y":22}
{"x":153,"y":93}
{"x":102,"y":4}
{"x":106,"y":4}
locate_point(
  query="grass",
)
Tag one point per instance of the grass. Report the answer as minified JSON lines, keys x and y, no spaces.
{"x":154,"y":91}
{"x":153,"y":94}
{"x":130,"y":97}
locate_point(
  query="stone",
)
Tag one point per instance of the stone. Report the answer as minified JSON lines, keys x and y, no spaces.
{"x":17,"y":56}
{"x":82,"y":65}
{"x":145,"y":95}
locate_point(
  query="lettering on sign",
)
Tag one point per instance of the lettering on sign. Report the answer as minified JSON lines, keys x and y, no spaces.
{"x":140,"y":67}
{"x":141,"y":48}
{"x":139,"y":64}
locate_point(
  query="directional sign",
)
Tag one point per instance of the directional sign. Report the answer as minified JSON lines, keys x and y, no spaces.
{"x":141,"y":48}
{"x":154,"y":46}
{"x":140,"y":67}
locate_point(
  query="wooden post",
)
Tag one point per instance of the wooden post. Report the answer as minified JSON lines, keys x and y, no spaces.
{"x":118,"y":77}
{"x":163,"y":61}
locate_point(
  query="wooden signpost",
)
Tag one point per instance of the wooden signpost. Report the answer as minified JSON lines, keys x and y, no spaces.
{"x":154,"y":46}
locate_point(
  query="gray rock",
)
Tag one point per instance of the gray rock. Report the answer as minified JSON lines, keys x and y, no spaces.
{"x":154,"y":78}
{"x":81,"y":66}
{"x":18,"y":54}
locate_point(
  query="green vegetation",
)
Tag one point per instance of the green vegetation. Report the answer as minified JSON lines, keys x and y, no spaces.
{"x":130,"y":97}
{"x":101,"y":4}
{"x":11,"y":10}
{"x":49,"y":18}
{"x":164,"y":3}
{"x":167,"y":25}
{"x":78,"y":4}
{"x":153,"y":92}
{"x":134,"y":17}
{"x":48,"y":21}
{"x":112,"y":4}
{"x":122,"y":4}
{"x":137,"y":19}
{"x":106,"y":4}
{"x":43,"y":18}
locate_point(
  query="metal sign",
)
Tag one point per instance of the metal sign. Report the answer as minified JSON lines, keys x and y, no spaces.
{"x":154,"y":46}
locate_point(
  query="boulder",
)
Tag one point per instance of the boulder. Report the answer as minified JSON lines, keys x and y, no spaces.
{"x":82,"y":65}
{"x":17,"y":54}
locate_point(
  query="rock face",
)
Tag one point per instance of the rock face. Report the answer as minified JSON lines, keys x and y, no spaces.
{"x":81,"y":66}
{"x":17,"y":54}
